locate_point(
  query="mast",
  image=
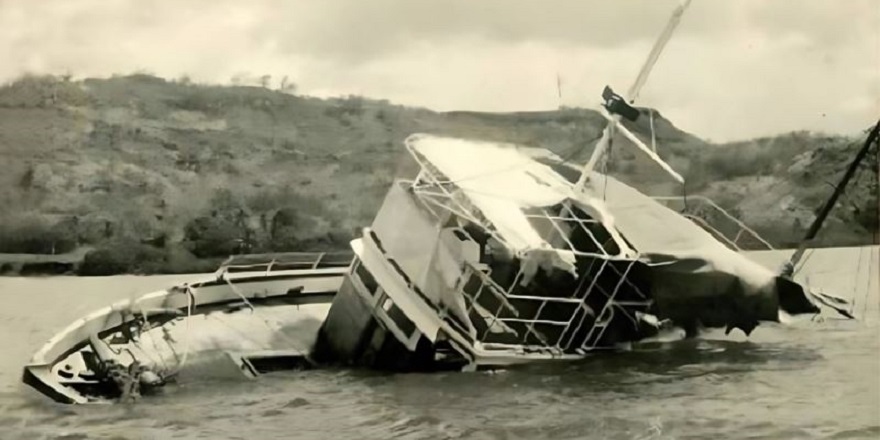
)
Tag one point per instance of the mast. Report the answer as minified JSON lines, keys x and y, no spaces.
{"x":788,"y":268}
{"x":633,"y":91}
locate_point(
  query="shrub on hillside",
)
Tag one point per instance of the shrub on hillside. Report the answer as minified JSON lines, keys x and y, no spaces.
{"x":122,"y":257}
{"x":30,"y":234}
{"x":42,"y":91}
{"x":145,"y":78}
{"x":214,"y":236}
{"x":867,"y":213}
{"x":274,"y":199}
{"x":347,"y":109}
{"x":179,"y":260}
{"x":289,"y":230}
{"x":200,"y":99}
{"x":733,"y":162}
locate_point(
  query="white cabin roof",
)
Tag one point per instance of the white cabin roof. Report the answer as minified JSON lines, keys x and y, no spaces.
{"x":656,"y":229}
{"x":494,"y":170}
{"x":501,"y":180}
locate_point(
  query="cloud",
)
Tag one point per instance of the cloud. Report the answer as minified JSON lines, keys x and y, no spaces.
{"x":733,"y":69}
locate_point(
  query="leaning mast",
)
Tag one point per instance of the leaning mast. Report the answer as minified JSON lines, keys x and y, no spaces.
{"x":633,"y":92}
{"x":788,"y":268}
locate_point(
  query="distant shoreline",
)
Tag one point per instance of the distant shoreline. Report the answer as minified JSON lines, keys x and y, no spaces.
{"x":68,"y":264}
{"x":43,"y":264}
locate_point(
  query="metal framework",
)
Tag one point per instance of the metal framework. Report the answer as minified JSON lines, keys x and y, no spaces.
{"x":713,"y":218}
{"x":579,"y":330}
{"x":438,"y":193}
{"x":533,"y":321}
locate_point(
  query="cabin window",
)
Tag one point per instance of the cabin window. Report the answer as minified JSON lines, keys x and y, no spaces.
{"x":403,"y":323}
{"x":366,"y":278}
{"x":460,"y":234}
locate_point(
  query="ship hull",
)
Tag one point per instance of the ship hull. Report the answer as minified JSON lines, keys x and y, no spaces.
{"x":207,"y":329}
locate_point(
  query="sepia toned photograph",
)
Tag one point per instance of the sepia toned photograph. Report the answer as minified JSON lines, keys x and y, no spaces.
{"x":439,"y":219}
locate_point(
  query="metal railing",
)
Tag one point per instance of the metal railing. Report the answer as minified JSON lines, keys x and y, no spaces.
{"x":700,"y":210}
{"x":571,"y":332}
{"x":433,"y":193}
{"x":271,"y":262}
{"x":535,"y":316}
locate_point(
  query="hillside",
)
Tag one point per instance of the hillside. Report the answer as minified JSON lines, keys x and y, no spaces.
{"x":165,"y":176}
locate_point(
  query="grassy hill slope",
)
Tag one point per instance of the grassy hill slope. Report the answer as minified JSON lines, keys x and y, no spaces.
{"x":164,"y":176}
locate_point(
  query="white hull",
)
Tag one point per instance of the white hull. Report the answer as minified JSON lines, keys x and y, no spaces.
{"x":214,"y":336}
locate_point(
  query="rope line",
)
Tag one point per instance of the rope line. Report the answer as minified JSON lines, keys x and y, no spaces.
{"x":190,"y":304}
{"x":870,"y":282}
{"x":149,"y":327}
{"x":235,"y":290}
{"x":295,"y":344}
{"x":858,"y":275}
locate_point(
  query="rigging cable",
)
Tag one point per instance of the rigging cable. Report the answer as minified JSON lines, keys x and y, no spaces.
{"x":802,"y":263}
{"x":684,"y":196}
{"x":148,"y":326}
{"x":606,"y":159}
{"x":295,"y":344}
{"x":876,"y":242}
{"x":856,"y":283}
{"x":870,"y":281}
{"x":190,"y":305}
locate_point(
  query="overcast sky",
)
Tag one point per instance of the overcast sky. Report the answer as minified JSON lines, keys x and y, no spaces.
{"x":733,"y":70}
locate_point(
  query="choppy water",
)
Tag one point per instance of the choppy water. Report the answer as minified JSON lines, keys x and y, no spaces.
{"x":809,"y":380}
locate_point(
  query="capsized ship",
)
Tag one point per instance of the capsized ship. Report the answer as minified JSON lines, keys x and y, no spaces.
{"x":491,"y":256}
{"x":496,"y":255}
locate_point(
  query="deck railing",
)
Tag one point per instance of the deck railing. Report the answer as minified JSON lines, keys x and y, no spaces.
{"x":272,"y":262}
{"x":579,"y":328}
{"x":717,"y":221}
